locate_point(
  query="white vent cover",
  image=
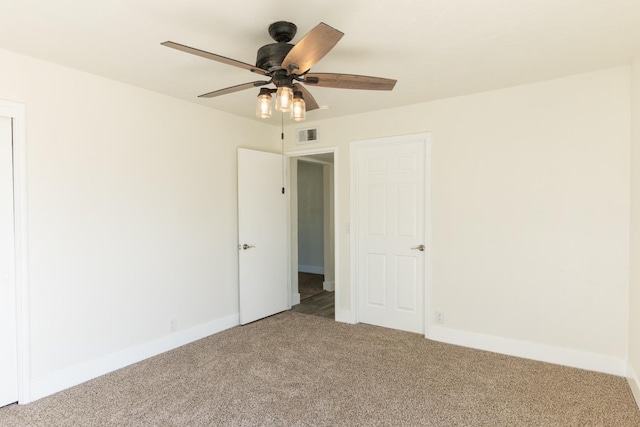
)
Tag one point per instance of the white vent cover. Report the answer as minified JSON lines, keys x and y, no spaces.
{"x":306,"y":136}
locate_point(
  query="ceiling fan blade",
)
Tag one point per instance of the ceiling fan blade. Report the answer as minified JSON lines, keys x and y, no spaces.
{"x":349,"y":81}
{"x":311,"y":48}
{"x":309,"y":100}
{"x":215,"y":57}
{"x":236,"y":88}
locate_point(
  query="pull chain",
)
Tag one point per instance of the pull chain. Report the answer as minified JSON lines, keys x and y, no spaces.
{"x":282,"y":148}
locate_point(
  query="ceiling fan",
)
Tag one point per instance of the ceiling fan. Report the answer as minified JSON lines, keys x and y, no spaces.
{"x":287,"y":65}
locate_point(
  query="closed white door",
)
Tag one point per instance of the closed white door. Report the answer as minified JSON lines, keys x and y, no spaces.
{"x":8,"y":331}
{"x":390,"y":232}
{"x":262,"y":235}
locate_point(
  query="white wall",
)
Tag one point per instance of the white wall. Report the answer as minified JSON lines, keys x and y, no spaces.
{"x":131,"y":217}
{"x":310,"y":217}
{"x":530,"y":212}
{"x":634,"y":288}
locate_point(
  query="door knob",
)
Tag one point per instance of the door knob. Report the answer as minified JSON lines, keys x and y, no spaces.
{"x":419,"y":248}
{"x":245,"y":246}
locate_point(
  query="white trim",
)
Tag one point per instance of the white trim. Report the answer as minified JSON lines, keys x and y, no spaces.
{"x":295,"y":299}
{"x":328,"y":223}
{"x":313,"y":269}
{"x":634,"y":383}
{"x":337,"y":240}
{"x":345,"y":316}
{"x":292,"y":218}
{"x":16,"y":111}
{"x":534,"y":351}
{"x":91,"y":369}
{"x":427,"y":235}
{"x":353,"y":215}
{"x":336,"y":209}
{"x":329,"y":286}
{"x":310,"y":160}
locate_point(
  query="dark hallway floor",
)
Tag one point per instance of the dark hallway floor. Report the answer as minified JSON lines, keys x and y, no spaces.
{"x":313,"y":299}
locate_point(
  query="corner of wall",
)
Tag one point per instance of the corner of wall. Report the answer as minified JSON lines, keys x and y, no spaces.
{"x":634,"y":384}
{"x":634,"y":238}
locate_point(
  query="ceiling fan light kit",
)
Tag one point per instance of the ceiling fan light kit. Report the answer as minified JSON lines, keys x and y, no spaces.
{"x":263,"y":106}
{"x":298,"y":107}
{"x":287,"y":66}
{"x":284,"y":98}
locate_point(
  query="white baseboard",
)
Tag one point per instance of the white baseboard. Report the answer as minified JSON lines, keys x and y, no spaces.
{"x":329,"y":286}
{"x":634,"y":383}
{"x":72,"y":376}
{"x":295,"y":299}
{"x":535,"y":351}
{"x":314,"y":269}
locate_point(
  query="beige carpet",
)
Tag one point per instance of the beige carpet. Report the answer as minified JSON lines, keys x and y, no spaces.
{"x":298,"y":370}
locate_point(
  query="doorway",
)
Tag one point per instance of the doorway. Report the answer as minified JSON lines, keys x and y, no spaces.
{"x":313,"y":234}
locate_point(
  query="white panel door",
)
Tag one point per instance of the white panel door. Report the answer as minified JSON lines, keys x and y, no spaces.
{"x":8,"y":331}
{"x":390,"y":257}
{"x":262,"y":234}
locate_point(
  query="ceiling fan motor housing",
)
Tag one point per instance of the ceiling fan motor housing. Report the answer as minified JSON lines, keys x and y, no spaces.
{"x":271,"y":56}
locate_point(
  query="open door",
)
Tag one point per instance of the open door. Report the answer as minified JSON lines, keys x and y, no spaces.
{"x":262,"y":235}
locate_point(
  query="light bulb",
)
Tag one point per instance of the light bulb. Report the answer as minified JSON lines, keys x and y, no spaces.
{"x":284,"y":96}
{"x":298,"y":107}
{"x":263,"y":106}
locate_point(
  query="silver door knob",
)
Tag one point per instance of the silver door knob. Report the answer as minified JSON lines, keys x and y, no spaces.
{"x":419,"y":248}
{"x":245,"y":246}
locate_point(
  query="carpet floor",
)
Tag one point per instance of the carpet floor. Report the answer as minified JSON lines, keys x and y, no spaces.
{"x":298,"y":370}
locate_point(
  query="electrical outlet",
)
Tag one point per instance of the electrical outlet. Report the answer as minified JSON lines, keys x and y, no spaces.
{"x":173,"y":325}
{"x":439,"y":317}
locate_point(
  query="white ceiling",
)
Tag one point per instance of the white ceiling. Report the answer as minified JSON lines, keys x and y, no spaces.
{"x":434,"y":48}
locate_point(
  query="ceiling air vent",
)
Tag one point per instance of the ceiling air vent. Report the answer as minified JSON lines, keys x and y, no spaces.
{"x":306,"y":136}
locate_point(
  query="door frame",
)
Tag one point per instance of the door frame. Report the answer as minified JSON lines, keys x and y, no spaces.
{"x":336,"y":235}
{"x":16,"y":111}
{"x":355,"y":147}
